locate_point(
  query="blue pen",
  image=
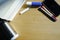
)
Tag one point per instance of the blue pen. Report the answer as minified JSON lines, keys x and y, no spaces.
{"x":34,"y":3}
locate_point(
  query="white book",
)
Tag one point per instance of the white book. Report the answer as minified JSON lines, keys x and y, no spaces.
{"x":9,"y":8}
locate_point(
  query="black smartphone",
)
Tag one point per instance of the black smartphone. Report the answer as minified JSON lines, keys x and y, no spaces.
{"x":6,"y":32}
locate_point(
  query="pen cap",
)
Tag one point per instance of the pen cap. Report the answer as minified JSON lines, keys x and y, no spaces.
{"x":34,"y":3}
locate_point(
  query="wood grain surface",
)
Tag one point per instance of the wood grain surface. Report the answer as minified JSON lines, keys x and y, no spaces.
{"x":33,"y":25}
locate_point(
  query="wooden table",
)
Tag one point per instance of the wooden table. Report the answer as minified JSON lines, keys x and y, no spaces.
{"x":33,"y":25}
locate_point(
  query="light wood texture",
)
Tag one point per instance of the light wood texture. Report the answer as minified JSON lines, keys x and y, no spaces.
{"x":33,"y":25}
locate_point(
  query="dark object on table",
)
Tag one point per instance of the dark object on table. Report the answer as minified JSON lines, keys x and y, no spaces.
{"x":53,"y":6}
{"x":5,"y":34}
{"x":51,"y":9}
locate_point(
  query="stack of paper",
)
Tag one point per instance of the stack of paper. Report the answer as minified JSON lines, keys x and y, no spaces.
{"x":9,"y":8}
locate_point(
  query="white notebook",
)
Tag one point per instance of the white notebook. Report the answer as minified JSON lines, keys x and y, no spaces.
{"x":9,"y":8}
